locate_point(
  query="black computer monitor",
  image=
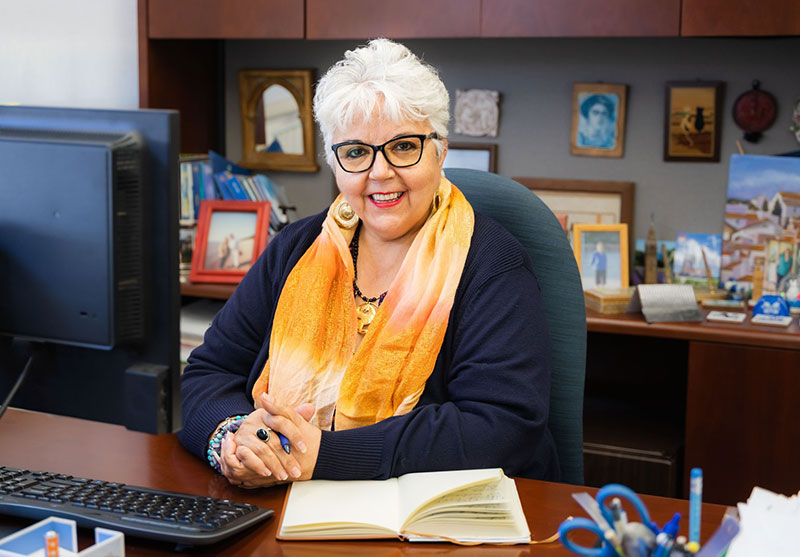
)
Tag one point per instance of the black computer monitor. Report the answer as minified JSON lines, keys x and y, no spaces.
{"x":89,"y":263}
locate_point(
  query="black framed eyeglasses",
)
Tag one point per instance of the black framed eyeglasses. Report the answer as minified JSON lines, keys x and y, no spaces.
{"x":400,"y":152}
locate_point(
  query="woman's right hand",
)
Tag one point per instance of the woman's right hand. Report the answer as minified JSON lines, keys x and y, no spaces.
{"x":249,"y":462}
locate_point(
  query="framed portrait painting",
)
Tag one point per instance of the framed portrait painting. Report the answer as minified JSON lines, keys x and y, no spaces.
{"x":598,"y":119}
{"x":692,"y":121}
{"x":601,"y":251}
{"x":230,"y":237}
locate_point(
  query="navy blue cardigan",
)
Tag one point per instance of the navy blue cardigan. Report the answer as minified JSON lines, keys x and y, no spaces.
{"x":484,"y":405}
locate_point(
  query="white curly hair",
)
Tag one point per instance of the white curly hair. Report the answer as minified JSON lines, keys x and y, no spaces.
{"x":386,"y":74}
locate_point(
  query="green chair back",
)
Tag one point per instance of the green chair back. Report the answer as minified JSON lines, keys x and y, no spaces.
{"x":522,"y":213}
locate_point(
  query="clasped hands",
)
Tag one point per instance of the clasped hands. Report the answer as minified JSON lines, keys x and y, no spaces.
{"x":247,"y":461}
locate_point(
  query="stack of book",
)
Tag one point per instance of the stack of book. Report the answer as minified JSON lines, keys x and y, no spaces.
{"x":196,"y":317}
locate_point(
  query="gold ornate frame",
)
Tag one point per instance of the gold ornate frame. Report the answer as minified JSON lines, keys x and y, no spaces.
{"x":252,"y":84}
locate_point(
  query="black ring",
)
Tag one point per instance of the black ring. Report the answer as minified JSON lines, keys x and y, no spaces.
{"x":263,"y":434}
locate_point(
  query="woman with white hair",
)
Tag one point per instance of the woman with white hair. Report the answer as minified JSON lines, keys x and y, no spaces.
{"x":395,"y":332}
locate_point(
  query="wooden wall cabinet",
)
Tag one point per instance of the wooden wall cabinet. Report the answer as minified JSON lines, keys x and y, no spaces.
{"x":709,"y":18}
{"x":580,"y":18}
{"x":225,"y":19}
{"x":362,"y":19}
{"x":180,"y":41}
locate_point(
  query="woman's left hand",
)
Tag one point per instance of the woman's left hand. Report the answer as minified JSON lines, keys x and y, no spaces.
{"x":249,"y":462}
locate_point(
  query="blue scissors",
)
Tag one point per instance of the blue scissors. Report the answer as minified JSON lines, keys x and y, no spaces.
{"x":609,"y":542}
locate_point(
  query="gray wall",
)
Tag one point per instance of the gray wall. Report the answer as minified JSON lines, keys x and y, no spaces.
{"x":535,"y":78}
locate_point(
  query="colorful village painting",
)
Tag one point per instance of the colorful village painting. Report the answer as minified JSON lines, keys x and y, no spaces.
{"x":762,"y":219}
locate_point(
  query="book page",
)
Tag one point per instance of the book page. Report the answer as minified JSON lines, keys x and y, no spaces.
{"x":465,"y":519}
{"x":318,"y":506}
{"x":415,"y":490}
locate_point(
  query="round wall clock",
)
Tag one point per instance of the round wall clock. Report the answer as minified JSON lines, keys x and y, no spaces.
{"x":754,"y":111}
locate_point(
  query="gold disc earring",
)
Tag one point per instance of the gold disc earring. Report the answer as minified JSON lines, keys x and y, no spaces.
{"x":437,"y":201}
{"x":344,"y":215}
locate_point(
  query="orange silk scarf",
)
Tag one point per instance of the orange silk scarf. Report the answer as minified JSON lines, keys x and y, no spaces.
{"x":311,"y":350}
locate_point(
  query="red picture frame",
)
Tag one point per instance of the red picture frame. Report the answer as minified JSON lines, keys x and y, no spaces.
{"x":230,"y":237}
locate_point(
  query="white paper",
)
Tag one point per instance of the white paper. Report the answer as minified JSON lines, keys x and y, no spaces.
{"x":769,"y":524}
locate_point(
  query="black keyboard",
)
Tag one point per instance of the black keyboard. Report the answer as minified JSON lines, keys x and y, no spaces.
{"x":136,"y":511}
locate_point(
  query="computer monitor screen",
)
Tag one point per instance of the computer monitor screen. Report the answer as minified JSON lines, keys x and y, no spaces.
{"x":89,"y":263}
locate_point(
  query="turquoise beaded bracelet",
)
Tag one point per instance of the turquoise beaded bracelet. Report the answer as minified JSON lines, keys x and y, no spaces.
{"x":214,"y":445}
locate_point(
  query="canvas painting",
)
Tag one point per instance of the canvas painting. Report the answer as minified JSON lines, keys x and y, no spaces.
{"x":696,"y":257}
{"x":763,"y":206}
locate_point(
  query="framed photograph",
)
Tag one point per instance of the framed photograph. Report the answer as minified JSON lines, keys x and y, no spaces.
{"x":230,"y":237}
{"x":692,"y":121}
{"x":601,"y":251}
{"x":478,"y":156}
{"x":585,"y":201}
{"x":598,"y":119}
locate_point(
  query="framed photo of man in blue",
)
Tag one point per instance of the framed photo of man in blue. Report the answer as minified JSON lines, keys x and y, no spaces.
{"x":598,"y":119}
{"x":601,"y":251}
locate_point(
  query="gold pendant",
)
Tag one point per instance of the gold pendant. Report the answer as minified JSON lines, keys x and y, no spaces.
{"x":365,"y":313}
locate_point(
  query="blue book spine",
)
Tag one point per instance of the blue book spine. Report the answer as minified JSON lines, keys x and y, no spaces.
{"x":198,"y":189}
{"x":236,"y":189}
{"x":222,"y":185}
{"x":208,"y":182}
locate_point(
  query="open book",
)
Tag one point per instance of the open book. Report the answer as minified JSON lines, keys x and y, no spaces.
{"x":465,"y":506}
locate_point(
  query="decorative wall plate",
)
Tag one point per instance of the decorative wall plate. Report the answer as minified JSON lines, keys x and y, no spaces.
{"x":754,"y":111}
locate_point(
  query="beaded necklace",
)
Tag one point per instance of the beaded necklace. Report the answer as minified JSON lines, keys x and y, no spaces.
{"x":366,"y":310}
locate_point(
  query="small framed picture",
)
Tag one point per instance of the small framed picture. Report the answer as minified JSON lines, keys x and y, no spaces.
{"x":230,"y":237}
{"x":478,"y":156}
{"x":692,"y":121}
{"x":601,"y":251}
{"x":598,"y":119}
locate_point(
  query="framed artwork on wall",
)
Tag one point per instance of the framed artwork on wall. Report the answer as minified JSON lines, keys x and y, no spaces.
{"x":585,"y":201}
{"x":601,"y":251}
{"x":598,"y":119}
{"x":478,"y":156}
{"x":230,"y":237}
{"x":277,"y":120}
{"x":692,"y":121}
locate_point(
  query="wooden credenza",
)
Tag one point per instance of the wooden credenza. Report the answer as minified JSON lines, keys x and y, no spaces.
{"x":730,"y":392}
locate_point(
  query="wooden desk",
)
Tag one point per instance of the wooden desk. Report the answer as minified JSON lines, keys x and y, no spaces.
{"x":109,"y":452}
{"x":739,"y":384}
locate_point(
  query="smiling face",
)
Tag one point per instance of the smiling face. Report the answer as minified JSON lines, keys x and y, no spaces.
{"x":392,"y":203}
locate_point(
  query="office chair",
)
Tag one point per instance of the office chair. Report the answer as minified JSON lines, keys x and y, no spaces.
{"x":519,"y":211}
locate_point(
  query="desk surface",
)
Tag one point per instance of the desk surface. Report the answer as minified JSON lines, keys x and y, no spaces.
{"x":90,"y":449}
{"x":730,"y":333}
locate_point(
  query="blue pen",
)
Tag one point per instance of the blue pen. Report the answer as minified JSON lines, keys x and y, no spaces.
{"x":664,"y":539}
{"x":287,"y":447}
{"x":695,"y":499}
